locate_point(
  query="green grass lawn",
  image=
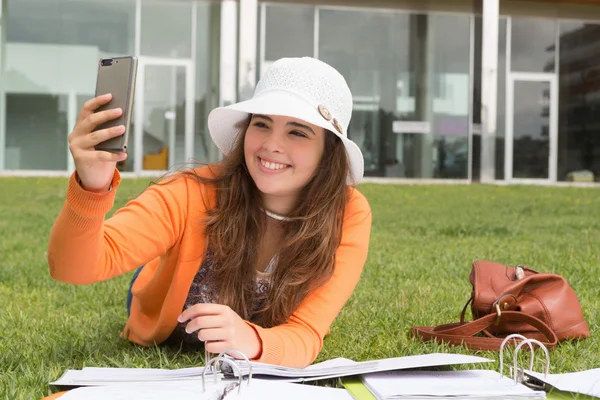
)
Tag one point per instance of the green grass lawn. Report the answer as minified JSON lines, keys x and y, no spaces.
{"x":423,"y":241}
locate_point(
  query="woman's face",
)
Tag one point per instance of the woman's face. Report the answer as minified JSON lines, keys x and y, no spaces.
{"x":282,"y":154}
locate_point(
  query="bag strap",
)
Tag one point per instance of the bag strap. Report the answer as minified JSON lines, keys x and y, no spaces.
{"x":464,"y":333}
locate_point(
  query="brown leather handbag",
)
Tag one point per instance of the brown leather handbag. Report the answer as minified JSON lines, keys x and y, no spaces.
{"x":508,"y":300}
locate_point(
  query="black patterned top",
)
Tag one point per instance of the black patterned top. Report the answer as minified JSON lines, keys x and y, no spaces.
{"x":204,"y":290}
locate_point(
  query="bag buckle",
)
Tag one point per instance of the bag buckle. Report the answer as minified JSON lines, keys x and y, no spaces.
{"x":519,"y":272}
{"x":499,"y":313}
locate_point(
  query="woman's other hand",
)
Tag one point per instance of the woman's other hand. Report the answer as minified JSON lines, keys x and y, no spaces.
{"x":221,"y":329}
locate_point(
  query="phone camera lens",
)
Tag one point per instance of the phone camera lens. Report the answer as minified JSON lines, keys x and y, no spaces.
{"x":106,"y":62}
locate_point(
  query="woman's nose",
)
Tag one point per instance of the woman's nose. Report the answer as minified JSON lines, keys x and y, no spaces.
{"x":273,"y":142}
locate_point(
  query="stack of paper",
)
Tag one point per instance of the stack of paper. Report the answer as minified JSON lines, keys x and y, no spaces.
{"x":341,"y":367}
{"x":584,"y":382}
{"x":335,"y":368}
{"x":92,"y":376}
{"x":472,"y":384}
{"x":256,"y":390}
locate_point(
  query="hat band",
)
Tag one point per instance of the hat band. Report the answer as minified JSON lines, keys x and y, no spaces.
{"x":329,"y":117}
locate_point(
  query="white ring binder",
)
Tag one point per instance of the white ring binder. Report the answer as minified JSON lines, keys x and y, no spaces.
{"x":226,"y":360}
{"x":223,"y":357}
{"x":519,"y":376}
{"x":207,"y":355}
{"x":514,"y":336}
{"x":223,"y":354}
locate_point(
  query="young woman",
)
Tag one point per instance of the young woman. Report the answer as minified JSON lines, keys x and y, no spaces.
{"x":256,"y":253}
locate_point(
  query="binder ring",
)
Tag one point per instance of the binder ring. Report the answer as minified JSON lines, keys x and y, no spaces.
{"x":224,"y":353}
{"x":506,"y":339}
{"x":544,"y":348}
{"x":226,"y":360}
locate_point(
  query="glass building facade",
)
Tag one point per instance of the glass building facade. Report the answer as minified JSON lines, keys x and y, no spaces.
{"x":414,"y":68}
{"x":50,"y":52}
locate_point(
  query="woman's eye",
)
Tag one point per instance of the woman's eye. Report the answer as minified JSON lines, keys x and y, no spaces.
{"x":297,"y":133}
{"x":259,"y":124}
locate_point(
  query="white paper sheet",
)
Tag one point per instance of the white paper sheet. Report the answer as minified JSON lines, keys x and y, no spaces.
{"x":257,"y":390}
{"x":340,"y":367}
{"x":92,"y":376}
{"x":584,"y":382}
{"x":470,"y":384}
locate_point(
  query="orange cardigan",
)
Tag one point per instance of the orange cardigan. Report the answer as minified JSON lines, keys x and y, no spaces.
{"x":162,"y":230}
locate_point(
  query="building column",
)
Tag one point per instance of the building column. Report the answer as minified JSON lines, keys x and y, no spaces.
{"x":228,"y":45}
{"x":211,"y":153}
{"x":489,"y":88}
{"x":248,"y":23}
{"x":422,"y":57}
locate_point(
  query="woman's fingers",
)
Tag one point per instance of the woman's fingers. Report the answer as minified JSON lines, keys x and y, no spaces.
{"x":96,"y":137}
{"x":215,"y":324}
{"x":82,"y":147}
{"x":92,"y":156}
{"x":217,"y":347}
{"x":201,"y":309}
{"x":92,"y":121}
{"x":211,"y":335}
{"x":205,"y":322}
{"x":107,"y":156}
{"x":90,"y":106}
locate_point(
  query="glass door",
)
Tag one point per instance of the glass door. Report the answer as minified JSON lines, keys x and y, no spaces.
{"x":531,"y":128}
{"x":163,"y":121}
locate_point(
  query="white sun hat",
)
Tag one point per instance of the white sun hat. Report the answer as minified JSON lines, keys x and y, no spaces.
{"x":303,"y":88}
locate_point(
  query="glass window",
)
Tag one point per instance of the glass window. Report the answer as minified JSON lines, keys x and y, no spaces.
{"x":476,"y":111}
{"x":164,"y":116}
{"x":450,"y":37}
{"x":107,"y":25}
{"x":166,"y":90}
{"x":289,"y":32}
{"x":36,"y":127}
{"x":409,"y":75}
{"x":166,"y":29}
{"x":579,"y":102}
{"x":52,"y":51}
{"x":2,"y":35}
{"x":533,"y":44}
{"x":531,"y":142}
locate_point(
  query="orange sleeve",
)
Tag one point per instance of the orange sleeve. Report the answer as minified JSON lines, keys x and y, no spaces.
{"x":83,"y":248}
{"x":298,"y":342}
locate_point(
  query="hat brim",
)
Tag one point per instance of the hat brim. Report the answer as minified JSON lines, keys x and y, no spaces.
{"x":224,"y":124}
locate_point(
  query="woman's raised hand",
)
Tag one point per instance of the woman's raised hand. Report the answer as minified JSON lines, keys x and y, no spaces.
{"x":95,"y":168}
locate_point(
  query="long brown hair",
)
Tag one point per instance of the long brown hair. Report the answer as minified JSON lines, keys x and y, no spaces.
{"x":235,"y":226}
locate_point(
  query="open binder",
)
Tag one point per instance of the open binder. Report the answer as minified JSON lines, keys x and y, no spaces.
{"x":335,"y":368}
{"x":211,"y":385}
{"x":466,"y":384}
{"x":224,"y":378}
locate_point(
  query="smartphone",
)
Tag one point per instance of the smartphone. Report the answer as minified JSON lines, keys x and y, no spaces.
{"x":117,"y":76}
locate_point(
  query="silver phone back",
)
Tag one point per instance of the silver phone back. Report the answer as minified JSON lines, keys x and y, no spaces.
{"x":117,"y":77}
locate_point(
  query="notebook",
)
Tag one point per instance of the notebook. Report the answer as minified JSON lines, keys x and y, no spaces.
{"x":468,"y":384}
